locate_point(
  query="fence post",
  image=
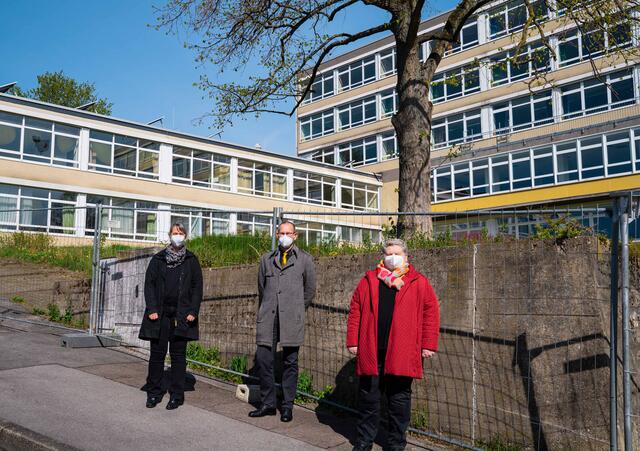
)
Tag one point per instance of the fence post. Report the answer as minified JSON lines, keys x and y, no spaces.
{"x":275,"y":221}
{"x":95,"y":271}
{"x":625,"y":203}
{"x":613,"y":328}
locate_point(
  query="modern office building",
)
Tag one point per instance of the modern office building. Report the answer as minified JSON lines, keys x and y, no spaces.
{"x":497,"y":141}
{"x":59,"y":158}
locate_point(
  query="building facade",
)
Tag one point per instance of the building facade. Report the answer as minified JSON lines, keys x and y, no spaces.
{"x":55,"y":161}
{"x":501,"y":136}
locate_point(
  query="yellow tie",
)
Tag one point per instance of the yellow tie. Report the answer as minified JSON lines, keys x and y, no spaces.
{"x":284,"y":258}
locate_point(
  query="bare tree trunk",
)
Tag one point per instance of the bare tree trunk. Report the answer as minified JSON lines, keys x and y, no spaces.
{"x":412,"y":123}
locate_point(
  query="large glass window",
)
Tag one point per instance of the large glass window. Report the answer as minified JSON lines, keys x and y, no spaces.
{"x":456,"y":129}
{"x":590,"y":42}
{"x":455,"y":83}
{"x":358,"y":152}
{"x":357,"y":113}
{"x":314,"y":188}
{"x":125,"y":155}
{"x":43,"y":141}
{"x":201,"y":168}
{"x":316,"y":125}
{"x":123,"y":218}
{"x":566,"y":162}
{"x":250,"y":224}
{"x":357,"y":73}
{"x":388,"y":62}
{"x":262,"y":179}
{"x":592,"y":96}
{"x":468,"y":37}
{"x":618,"y":153}
{"x":508,"y":67}
{"x":543,"y":166}
{"x":389,"y":145}
{"x":524,"y":112}
{"x":201,"y":222}
{"x":40,"y":210}
{"x":591,"y":157}
{"x":323,"y":155}
{"x":316,"y":232}
{"x":388,"y":103}
{"x":359,"y":196}
{"x":321,"y":87}
{"x":511,"y":16}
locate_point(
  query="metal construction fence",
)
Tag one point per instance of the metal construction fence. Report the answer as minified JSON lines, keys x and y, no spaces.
{"x":539,"y":344}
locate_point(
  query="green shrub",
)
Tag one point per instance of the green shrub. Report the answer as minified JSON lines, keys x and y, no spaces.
{"x":499,"y":444}
{"x":420,"y":419}
{"x":17,"y":299}
{"x":67,"y":318}
{"x":53,"y":312}
{"x":38,"y":311}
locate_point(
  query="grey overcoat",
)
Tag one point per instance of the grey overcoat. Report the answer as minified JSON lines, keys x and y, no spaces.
{"x":290,"y":290}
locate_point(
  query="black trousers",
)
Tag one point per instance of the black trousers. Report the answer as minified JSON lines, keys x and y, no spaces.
{"x":265,"y":357}
{"x":397,"y":390}
{"x":178,"y":352}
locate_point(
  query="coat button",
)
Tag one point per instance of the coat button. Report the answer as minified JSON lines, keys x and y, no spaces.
{"x":273,"y":311}
{"x":279,"y":291}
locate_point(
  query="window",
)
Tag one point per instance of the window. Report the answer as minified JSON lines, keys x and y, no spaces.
{"x":566,"y":162}
{"x":543,"y":166}
{"x":591,"y":158}
{"x":618,"y":153}
{"x":455,"y":83}
{"x":357,"y":235}
{"x":314,"y":188}
{"x":461,"y":180}
{"x":262,"y":179}
{"x":357,"y":113}
{"x":201,"y":222}
{"x":577,"y":45}
{"x":480,"y":172}
{"x":524,"y":112}
{"x":357,"y":73}
{"x":636,"y":134}
{"x":468,"y":37}
{"x":321,"y":87}
{"x":41,"y":210}
{"x":388,"y":62}
{"x":509,"y":66}
{"x":316,"y":125}
{"x":521,"y":170}
{"x":510,"y":17}
{"x":456,"y":129}
{"x":125,"y":155}
{"x":593,"y":96}
{"x":389,"y":146}
{"x":250,"y":224}
{"x":316,"y":232}
{"x":201,"y":168}
{"x":358,"y":152}
{"x":388,"y":103}
{"x":322,"y":155}
{"x":443,"y":183}
{"x":125,"y":219}
{"x":500,"y":173}
{"x":43,"y":142}
{"x":359,"y":196}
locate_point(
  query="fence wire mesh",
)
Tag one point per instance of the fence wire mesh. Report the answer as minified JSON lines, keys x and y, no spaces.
{"x":524,"y":295}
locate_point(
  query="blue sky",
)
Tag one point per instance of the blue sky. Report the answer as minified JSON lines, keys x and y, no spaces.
{"x":143,"y":72}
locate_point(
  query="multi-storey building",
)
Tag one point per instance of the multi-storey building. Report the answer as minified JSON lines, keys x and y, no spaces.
{"x":498,"y":140}
{"x":55,"y":159}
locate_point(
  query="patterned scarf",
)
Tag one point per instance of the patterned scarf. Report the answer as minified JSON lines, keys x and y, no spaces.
{"x":392,"y":278}
{"x":175,"y":257}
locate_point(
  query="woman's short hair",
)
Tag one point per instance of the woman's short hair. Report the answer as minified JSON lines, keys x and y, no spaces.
{"x":395,"y":242}
{"x":180,"y":226}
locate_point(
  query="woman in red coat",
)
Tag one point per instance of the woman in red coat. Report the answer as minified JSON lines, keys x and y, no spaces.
{"x":393,"y":324}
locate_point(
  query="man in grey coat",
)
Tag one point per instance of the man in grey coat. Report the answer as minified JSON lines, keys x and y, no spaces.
{"x":286,"y":287}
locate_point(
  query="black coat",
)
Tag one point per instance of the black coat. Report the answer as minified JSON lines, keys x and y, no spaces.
{"x":189,"y":296}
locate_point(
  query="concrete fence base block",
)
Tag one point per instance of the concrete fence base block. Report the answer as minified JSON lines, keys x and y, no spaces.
{"x":83,"y":340}
{"x":248,"y":393}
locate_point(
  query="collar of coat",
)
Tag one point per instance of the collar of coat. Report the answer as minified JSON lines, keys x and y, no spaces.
{"x":293,"y":250}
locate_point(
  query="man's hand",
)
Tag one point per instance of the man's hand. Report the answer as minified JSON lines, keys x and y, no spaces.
{"x":153,"y":316}
{"x":353,"y":350}
{"x":190,"y":318}
{"x":427,"y":354}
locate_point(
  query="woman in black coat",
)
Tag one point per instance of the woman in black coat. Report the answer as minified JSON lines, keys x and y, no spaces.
{"x":172,"y":292}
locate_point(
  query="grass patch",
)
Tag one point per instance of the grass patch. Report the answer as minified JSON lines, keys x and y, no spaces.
{"x":17,"y":299}
{"x":499,"y":444}
{"x":211,"y":356}
{"x":53,"y":314}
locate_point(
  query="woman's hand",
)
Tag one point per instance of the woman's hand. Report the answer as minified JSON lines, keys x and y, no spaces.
{"x":153,"y":316}
{"x":426,"y":353}
{"x":353,"y":350}
{"x":190,"y":318}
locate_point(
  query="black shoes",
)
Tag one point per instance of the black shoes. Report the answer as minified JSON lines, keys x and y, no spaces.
{"x":153,"y":401}
{"x":362,"y":447}
{"x":286,"y":415}
{"x":263,"y":411}
{"x":174,"y":403}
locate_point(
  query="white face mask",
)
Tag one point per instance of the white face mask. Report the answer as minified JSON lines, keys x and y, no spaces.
{"x":285,"y":241}
{"x":177,"y":240}
{"x":393,"y":261}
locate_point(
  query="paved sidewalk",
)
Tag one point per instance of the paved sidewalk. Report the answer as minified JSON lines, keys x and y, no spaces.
{"x":90,"y":399}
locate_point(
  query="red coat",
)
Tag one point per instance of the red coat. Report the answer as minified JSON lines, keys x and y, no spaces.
{"x":415,"y":325}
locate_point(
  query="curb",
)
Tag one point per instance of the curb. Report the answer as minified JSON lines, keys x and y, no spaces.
{"x":17,"y":438}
